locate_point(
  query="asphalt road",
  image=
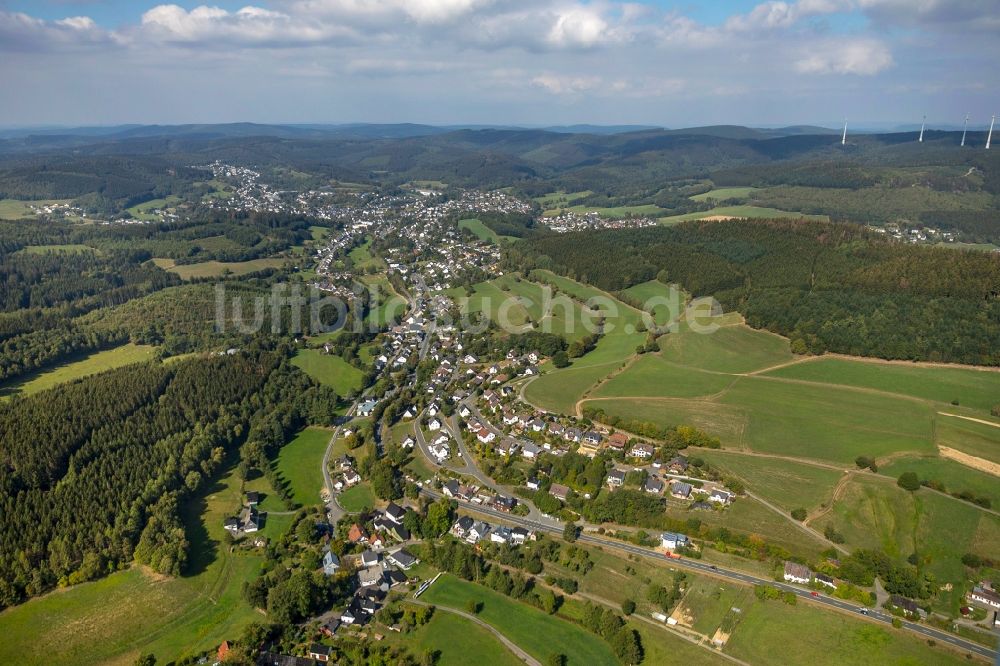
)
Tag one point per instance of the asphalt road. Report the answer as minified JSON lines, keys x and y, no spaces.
{"x":873,"y":614}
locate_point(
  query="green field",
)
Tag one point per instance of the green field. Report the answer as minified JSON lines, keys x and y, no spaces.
{"x":978,"y":389}
{"x":88,"y":365}
{"x":750,"y":212}
{"x":708,"y":601}
{"x":730,"y":349}
{"x":556,"y":199}
{"x":455,"y":638}
{"x":652,"y":376}
{"x":724,"y":193}
{"x":790,"y":485}
{"x":481,"y":231}
{"x":647,"y":210}
{"x":205,"y":269}
{"x":300,"y":464}
{"x":875,"y":513}
{"x":111,"y":620}
{"x":977,"y":439}
{"x":827,"y":423}
{"x":775,"y":633}
{"x":363,"y":257}
{"x":330,"y":370}
{"x":144,"y":211}
{"x":537,"y":633}
{"x":955,"y":476}
{"x":13,"y":209}
{"x":656,"y":299}
{"x":390,"y":304}
{"x":358,"y":498}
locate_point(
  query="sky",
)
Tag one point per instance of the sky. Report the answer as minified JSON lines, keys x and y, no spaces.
{"x":516,"y":62}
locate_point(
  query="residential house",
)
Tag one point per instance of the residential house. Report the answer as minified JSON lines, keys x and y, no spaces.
{"x":485,"y":436}
{"x":618,"y":441}
{"x":797,"y":573}
{"x":720,"y":496}
{"x":369,"y":558}
{"x":531,"y":484}
{"x":395,"y":513}
{"x":572,"y":435}
{"x":402,"y":559}
{"x":673,"y":540}
{"x":253,"y":498}
{"x":500,"y":535}
{"x":985,"y":596}
{"x":370,"y":577}
{"x":680,"y":490}
{"x":530,"y":450}
{"x":450,"y":488}
{"x":616,"y":478}
{"x":434,"y":424}
{"x":320,"y":652}
{"x":331,"y":563}
{"x":642,"y":450}
{"x":519,"y":535}
{"x":506,"y":447}
{"x":592,"y":438}
{"x":504,"y":503}
{"x":823,"y":579}
{"x":678,"y":464}
{"x":559,"y":491}
{"x":479,"y":530}
{"x":357,"y":534}
{"x":232,"y":525}
{"x":462,"y":526}
{"x":367,"y":407}
{"x":653,"y":485}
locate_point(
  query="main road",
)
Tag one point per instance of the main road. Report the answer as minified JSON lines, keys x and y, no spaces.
{"x":871,"y":614}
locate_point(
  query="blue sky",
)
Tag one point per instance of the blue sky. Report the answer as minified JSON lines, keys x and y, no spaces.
{"x":499,"y":61}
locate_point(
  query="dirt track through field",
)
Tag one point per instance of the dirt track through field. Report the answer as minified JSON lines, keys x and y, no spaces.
{"x":974,"y":462}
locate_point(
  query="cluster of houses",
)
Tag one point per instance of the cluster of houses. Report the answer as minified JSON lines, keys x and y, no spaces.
{"x":571,"y":221}
{"x":249,"y":519}
{"x":347,"y":476}
{"x":475,"y":495}
{"x":802,"y":575}
{"x":668,"y":481}
{"x":473,"y":531}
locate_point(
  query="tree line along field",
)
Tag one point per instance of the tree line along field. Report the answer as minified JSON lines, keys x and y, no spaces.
{"x":87,"y":365}
{"x":113,"y":619}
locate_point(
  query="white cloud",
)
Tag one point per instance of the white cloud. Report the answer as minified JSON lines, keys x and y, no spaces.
{"x":21,"y":32}
{"x":249,"y":26}
{"x":578,"y":26}
{"x":864,"y":57}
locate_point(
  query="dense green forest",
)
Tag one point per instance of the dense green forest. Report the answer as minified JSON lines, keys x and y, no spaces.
{"x":123,"y":450}
{"x":829,"y":287}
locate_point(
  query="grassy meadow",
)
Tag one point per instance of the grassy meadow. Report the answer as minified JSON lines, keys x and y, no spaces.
{"x":207,"y":269}
{"x":534,"y":631}
{"x":330,"y":370}
{"x":112,"y":620}
{"x":91,"y":364}
{"x":455,"y":638}
{"x":299,"y":464}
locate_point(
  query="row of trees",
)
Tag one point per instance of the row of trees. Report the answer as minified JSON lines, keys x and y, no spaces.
{"x":828,"y":287}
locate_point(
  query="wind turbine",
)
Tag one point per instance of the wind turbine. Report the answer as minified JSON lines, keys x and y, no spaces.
{"x":922,"y":124}
{"x":965,"y":129}
{"x":843,"y":139}
{"x":989,"y":136}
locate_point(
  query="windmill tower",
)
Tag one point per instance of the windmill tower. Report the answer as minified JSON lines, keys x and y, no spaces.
{"x":922,"y":124}
{"x":989,"y":136}
{"x":965,"y":129}
{"x":843,"y":139}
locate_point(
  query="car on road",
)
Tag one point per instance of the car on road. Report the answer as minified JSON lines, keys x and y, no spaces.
{"x":814,"y":593}
{"x":863,"y":611}
{"x":714,"y":568}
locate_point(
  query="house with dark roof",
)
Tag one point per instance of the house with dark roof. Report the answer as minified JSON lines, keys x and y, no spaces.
{"x":395,"y":513}
{"x":402,"y":559}
{"x":797,"y":573}
{"x":320,"y":652}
